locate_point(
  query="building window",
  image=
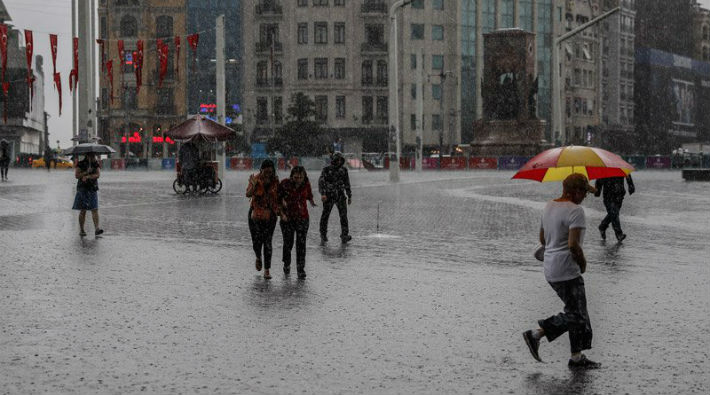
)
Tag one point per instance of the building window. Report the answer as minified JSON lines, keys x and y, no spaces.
{"x":339,"y":68}
{"x":303,"y":3}
{"x":320,"y":68}
{"x":417,"y":31}
{"x":262,"y":73}
{"x":419,"y":4}
{"x":320,"y":3}
{"x":413,"y":122}
{"x":437,"y":62}
{"x":129,"y":99}
{"x":339,"y":2}
{"x":367,"y":109}
{"x":413,"y":61}
{"x":382,"y":108}
{"x":381,"y":73}
{"x":320,"y":32}
{"x":366,"y":72}
{"x":437,"y":32}
{"x":436,"y":122}
{"x":437,"y":4}
{"x":436,"y":91}
{"x":321,"y":108}
{"x":375,"y":34}
{"x":164,"y":26}
{"x":340,"y":107}
{"x":277,"y":73}
{"x":129,"y":26}
{"x":103,"y":28}
{"x":269,"y":33}
{"x":302,"y":69}
{"x":339,"y":29}
{"x":262,"y":110}
{"x":303,"y":33}
{"x":413,"y":91}
{"x":278,"y":110}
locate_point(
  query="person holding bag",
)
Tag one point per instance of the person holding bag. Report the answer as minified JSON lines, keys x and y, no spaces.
{"x":294,"y":193}
{"x":263,"y":210}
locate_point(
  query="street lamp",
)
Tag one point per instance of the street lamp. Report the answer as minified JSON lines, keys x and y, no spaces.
{"x":393,"y":85}
{"x":557,"y":120}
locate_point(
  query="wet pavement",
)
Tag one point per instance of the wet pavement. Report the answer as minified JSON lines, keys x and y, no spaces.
{"x":431,"y":296}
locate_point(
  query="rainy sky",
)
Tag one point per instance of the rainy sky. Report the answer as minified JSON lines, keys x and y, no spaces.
{"x":53,"y":16}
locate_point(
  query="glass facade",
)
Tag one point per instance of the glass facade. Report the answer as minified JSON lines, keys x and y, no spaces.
{"x":488,"y":9}
{"x":201,"y":75}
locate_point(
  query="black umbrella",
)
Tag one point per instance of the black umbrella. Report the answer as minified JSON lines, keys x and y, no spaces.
{"x":87,"y":148}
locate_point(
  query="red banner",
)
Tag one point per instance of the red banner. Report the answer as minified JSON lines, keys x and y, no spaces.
{"x":483,"y":163}
{"x":74,"y":74}
{"x":193,"y":39}
{"x":121,"y":52}
{"x":163,"y":53}
{"x":29,"y":50}
{"x":58,"y":85}
{"x":53,"y":47}
{"x":3,"y":48}
{"x":109,"y":74}
{"x":177,"y":57}
{"x":138,"y":61}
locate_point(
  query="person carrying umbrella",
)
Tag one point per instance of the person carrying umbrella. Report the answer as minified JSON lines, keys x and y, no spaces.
{"x":613,"y":191}
{"x":87,"y":173}
{"x":562,"y":233}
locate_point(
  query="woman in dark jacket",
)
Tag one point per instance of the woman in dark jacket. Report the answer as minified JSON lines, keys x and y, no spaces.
{"x":294,"y":192}
{"x":87,"y":173}
{"x":263,"y":210}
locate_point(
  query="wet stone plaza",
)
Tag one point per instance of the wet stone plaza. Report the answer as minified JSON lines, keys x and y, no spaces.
{"x":431,"y":295}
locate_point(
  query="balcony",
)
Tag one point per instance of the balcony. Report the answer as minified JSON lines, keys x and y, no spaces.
{"x":269,"y":8}
{"x":373,"y":47}
{"x":263,"y":82}
{"x":266,"y":47}
{"x":374,"y":7}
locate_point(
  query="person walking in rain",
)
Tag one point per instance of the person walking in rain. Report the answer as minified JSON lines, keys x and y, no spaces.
{"x":562,"y":234}
{"x":87,"y":173}
{"x":294,"y":193}
{"x":334,"y":188}
{"x":4,"y":159}
{"x":264,"y":208}
{"x":614,"y":191}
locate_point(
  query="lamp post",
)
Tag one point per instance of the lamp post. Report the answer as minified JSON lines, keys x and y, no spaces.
{"x":393,"y":85}
{"x":557,"y":120}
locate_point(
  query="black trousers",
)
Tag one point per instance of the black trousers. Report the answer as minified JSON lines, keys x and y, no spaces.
{"x":4,"y":163}
{"x":262,"y":233}
{"x":297,"y":229}
{"x":342,"y":203}
{"x":574,"y":320}
{"x":613,"y":207}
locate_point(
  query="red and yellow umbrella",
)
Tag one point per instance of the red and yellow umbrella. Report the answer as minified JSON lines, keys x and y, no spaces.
{"x":557,"y":163}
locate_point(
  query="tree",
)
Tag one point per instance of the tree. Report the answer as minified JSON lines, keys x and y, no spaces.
{"x":302,"y":135}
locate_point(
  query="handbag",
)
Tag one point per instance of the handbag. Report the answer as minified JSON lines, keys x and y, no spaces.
{"x":540,"y":253}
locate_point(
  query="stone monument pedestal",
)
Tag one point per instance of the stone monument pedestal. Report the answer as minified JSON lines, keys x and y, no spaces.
{"x":509,"y":137}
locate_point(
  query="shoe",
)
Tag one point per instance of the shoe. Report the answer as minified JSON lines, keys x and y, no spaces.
{"x":323,"y":238}
{"x":98,"y":232}
{"x":620,"y":237}
{"x":583,"y":363}
{"x":287,"y":269}
{"x":82,"y":233}
{"x":267,"y":275}
{"x":602,"y":232}
{"x":533,"y":344}
{"x":258,"y":264}
{"x":301,"y":274}
{"x":346,"y":238}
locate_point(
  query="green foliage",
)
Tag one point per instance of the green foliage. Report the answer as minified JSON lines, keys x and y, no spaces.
{"x":301,"y":135}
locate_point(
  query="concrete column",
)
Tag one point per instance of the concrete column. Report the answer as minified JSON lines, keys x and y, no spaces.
{"x":86,"y":88}
{"x":221,"y":100}
{"x":479,"y":58}
{"x":516,"y":14}
{"x":499,"y":14}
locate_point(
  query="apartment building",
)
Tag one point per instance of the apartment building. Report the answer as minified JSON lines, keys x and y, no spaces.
{"x":132,"y":120}
{"x":701,"y":33}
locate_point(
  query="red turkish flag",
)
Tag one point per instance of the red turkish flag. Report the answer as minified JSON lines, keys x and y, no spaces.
{"x":121,"y":52}
{"x":74,"y":74}
{"x":138,"y":61}
{"x":3,"y":48}
{"x":193,"y":39}
{"x":109,"y":73}
{"x":58,"y":85}
{"x":29,"y":50}
{"x":177,"y":56}
{"x":53,"y":47}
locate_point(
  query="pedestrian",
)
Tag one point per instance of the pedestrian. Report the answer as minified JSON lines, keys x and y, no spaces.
{"x":614,"y":191}
{"x":334,"y":188}
{"x":4,"y":159}
{"x":294,"y":193}
{"x":87,"y":172}
{"x":48,"y":158}
{"x":562,"y":233}
{"x":263,"y":210}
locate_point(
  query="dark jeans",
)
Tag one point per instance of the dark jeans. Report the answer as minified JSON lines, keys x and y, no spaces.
{"x":613,"y":207}
{"x":299,"y":229}
{"x":3,"y":167}
{"x":574,"y":320}
{"x":262,"y":233}
{"x":342,"y":203}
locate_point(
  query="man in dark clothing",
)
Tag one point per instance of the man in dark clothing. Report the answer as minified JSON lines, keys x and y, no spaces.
{"x":334,"y":187}
{"x":189,"y":156}
{"x":614,"y":191}
{"x":4,"y":159}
